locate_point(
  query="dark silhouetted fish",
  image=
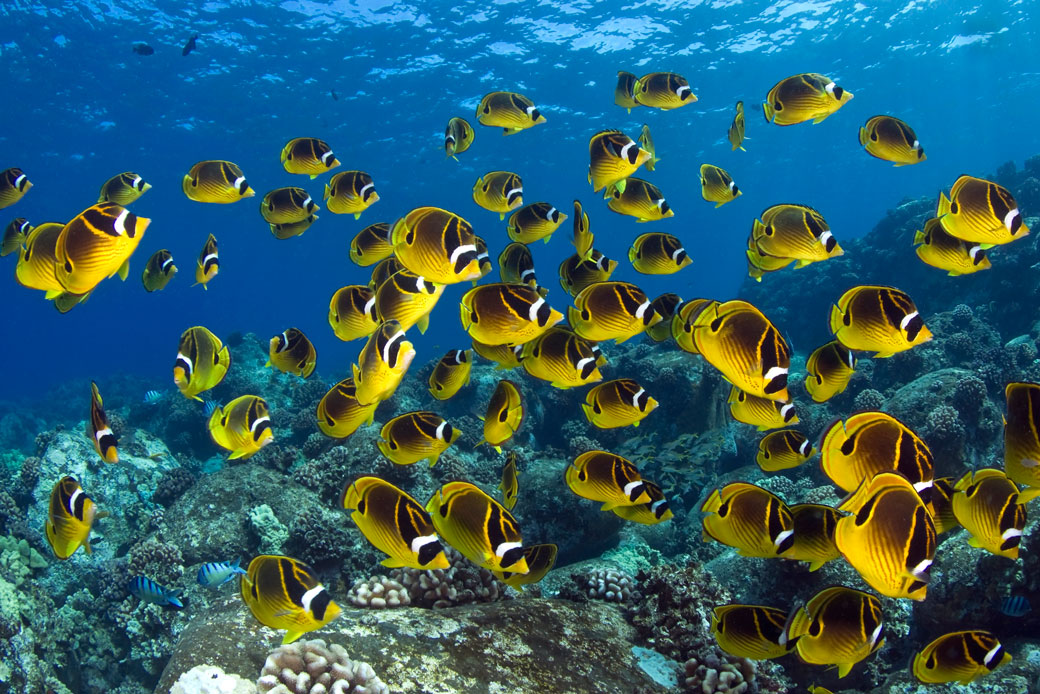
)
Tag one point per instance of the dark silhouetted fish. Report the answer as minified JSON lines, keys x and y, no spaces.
{"x":142,"y":48}
{"x":190,"y":45}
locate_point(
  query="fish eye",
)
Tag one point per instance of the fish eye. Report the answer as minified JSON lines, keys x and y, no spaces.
{"x":487,"y":109}
{"x":838,"y":92}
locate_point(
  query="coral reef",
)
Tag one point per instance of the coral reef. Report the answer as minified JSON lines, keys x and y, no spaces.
{"x":209,"y":679}
{"x":461,"y":583}
{"x":602,"y":582}
{"x":379,"y":592}
{"x":312,"y":667}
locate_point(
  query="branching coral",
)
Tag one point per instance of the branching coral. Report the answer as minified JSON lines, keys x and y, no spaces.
{"x":311,"y":667}
{"x":379,"y":592}
{"x":459,"y":584}
{"x":317,"y":536}
{"x":159,"y":561}
{"x":172,"y":484}
{"x":605,"y":583}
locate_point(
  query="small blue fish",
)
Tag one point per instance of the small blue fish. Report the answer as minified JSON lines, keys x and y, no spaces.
{"x":152,"y":397}
{"x":1015,"y":606}
{"x":217,"y":573}
{"x":208,"y":406}
{"x":147,"y":590}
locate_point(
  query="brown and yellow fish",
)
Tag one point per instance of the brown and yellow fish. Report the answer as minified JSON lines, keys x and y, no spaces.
{"x":640,"y":199}
{"x":350,"y":192}
{"x":505,"y":414}
{"x":869,"y":443}
{"x":992,"y":510}
{"x":735,"y":135}
{"x":289,"y":205}
{"x":814,"y":526}
{"x":96,"y":244}
{"x":890,"y":538}
{"x":415,"y":436}
{"x":479,"y":527}
{"x":384,"y":270}
{"x":497,"y":314}
{"x":282,"y":593}
{"x":583,"y":237}
{"x":828,"y":371}
{"x":663,"y":90}
{"x":503,"y":356}
{"x":499,"y":191}
{"x":980,"y":211}
{"x":808,"y":96}
{"x":216,"y":181}
{"x":606,"y":477}
{"x":960,"y":656}
{"x":717,"y":185}
{"x":652,"y":512}
{"x":624,"y":92}
{"x":15,"y":234}
{"x":535,"y":222}
{"x":539,"y":558}
{"x":646,"y":141}
{"x":754,"y":521}
{"x":655,"y":253}
{"x":352,"y":312}
{"x":783,"y":450}
{"x":665,"y":305}
{"x":613,"y":157}
{"x":243,"y":426}
{"x":611,"y":311}
{"x":510,"y":484}
{"x":308,"y":156}
{"x":71,"y":515}
{"x":99,"y":431}
{"x":202,"y":362}
{"x":437,"y":244}
{"x":451,"y":374}
{"x":940,"y":506}
{"x":382,"y":363}
{"x":878,"y":319}
{"x":577,"y":273}
{"x":13,"y":185}
{"x":762,"y":413}
{"x":1022,"y":433}
{"x":158,"y":271}
{"x":794,"y":231}
{"x":760,"y":263}
{"x":339,"y":414}
{"x":291,"y":229}
{"x":684,"y":317}
{"x":618,"y":403}
{"x":937,"y":248}
{"x":749,"y":631}
{"x":890,"y":139}
{"x":208,"y":264}
{"x":838,"y":626}
{"x":458,"y":136}
{"x":516,"y":266}
{"x":123,"y":189}
{"x":371,"y":245}
{"x":562,"y":358}
{"x":408,"y":299}
{"x":483,"y":259}
{"x":291,"y":352}
{"x":508,"y":110}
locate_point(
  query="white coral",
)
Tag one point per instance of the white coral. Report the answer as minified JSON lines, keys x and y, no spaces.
{"x":379,"y":592}
{"x":210,"y":679}
{"x":311,"y":667}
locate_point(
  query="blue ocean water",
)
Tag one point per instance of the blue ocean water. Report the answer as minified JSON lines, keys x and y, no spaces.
{"x":82,"y":106}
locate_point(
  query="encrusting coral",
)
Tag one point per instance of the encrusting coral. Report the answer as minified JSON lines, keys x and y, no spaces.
{"x":311,"y":667}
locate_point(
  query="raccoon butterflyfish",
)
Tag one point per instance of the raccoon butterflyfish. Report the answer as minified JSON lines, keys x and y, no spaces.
{"x":70,"y":517}
{"x":282,"y":593}
{"x":618,"y":403}
{"x":437,"y":244}
{"x":937,"y":248}
{"x":1022,"y":433}
{"x":838,"y":626}
{"x":878,"y":319}
{"x":814,"y":526}
{"x":339,"y":414}
{"x":202,"y":361}
{"x":208,"y":264}
{"x":611,"y":311}
{"x":483,"y":259}
{"x":613,"y":157}
{"x":663,"y":90}
{"x":504,"y":356}
{"x":415,"y":436}
{"x":762,"y":413}
{"x":216,"y":573}
{"x":683,"y":319}
{"x":243,"y":426}
{"x":647,"y":142}
{"x":809,"y":96}
{"x":655,"y":253}
{"x":497,"y":314}
{"x":309,"y":156}
{"x":291,"y":229}
{"x":754,"y":521}
{"x":505,"y":414}
{"x":665,"y":306}
{"x":652,"y":512}
{"x":516,"y":266}
{"x":382,"y":363}
{"x":992,"y":510}
{"x":479,"y":527}
{"x":99,"y":431}
{"x":783,"y":450}
{"x":216,"y":181}
{"x":451,"y":374}
{"x":577,"y":272}
{"x":535,"y":222}
{"x":371,"y":244}
{"x":350,"y":192}
{"x":352,"y":312}
{"x":13,"y":185}
{"x":816,"y":689}
{"x":960,"y":656}
{"x":640,"y":199}
{"x":384,"y":270}
{"x":828,"y":371}
{"x":499,"y":191}
{"x":869,"y":443}
{"x":794,"y":231}
{"x":980,"y":211}
{"x":735,"y":135}
{"x":749,"y":631}
{"x":510,"y":484}
{"x":408,"y":299}
{"x":760,"y":263}
{"x":395,"y":524}
{"x":940,"y":506}
{"x":890,"y":539}
{"x":147,"y":590}
{"x":291,"y":352}
{"x":606,"y":477}
{"x":15,"y":233}
{"x":562,"y":358}
{"x":96,"y":244}
{"x":738,"y":340}
{"x":583,"y":237}
{"x":158,"y":271}
{"x":624,"y":94}
{"x":508,"y":110}
{"x":540,"y":559}
{"x":123,"y":189}
{"x":890,"y":139}
{"x":717,"y":185}
{"x":288,"y":205}
{"x":458,"y":136}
